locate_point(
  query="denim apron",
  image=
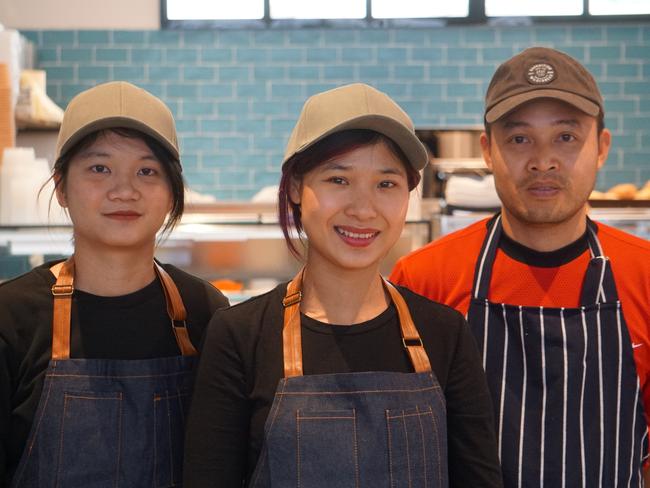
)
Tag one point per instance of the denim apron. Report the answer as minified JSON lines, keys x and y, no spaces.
{"x":367,"y":429}
{"x":566,"y":393}
{"x":108,"y":423}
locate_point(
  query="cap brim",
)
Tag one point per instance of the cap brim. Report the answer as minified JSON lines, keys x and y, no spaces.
{"x":508,"y":105}
{"x":407,"y":141}
{"x":114,"y":123}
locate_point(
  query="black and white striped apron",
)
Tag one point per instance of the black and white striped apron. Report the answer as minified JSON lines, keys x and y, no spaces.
{"x":566,"y":393}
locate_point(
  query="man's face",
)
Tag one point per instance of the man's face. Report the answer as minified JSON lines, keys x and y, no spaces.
{"x":545,"y":156}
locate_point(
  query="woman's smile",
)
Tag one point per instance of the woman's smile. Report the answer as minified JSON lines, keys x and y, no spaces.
{"x":123,"y":215}
{"x":356,"y":237}
{"x":116,"y":192}
{"x":353,"y":207}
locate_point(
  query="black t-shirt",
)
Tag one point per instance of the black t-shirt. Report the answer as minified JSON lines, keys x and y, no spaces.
{"x":133,"y":326}
{"x":241,"y":365}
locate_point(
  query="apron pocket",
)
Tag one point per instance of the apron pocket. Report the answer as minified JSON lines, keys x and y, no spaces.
{"x":169,"y":429}
{"x":90,"y":439}
{"x":415,"y":448}
{"x":327,"y":449}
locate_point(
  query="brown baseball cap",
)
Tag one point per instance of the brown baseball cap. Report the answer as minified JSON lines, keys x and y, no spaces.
{"x":112,"y":105}
{"x":541,"y":72}
{"x":355,"y":106}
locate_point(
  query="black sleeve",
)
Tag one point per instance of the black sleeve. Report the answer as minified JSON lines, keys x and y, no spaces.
{"x":472,"y":444}
{"x":6,"y":394}
{"x":217,"y":427}
{"x":24,"y":355}
{"x":213,"y":297}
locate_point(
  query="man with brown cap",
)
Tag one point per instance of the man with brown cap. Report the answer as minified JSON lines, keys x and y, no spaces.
{"x":558,"y":303}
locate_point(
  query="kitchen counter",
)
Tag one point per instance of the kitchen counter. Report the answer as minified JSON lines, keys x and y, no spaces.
{"x":243,"y":242}
{"x":236,"y":246}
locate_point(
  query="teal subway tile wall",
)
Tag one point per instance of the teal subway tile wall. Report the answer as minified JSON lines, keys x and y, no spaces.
{"x":236,"y":93}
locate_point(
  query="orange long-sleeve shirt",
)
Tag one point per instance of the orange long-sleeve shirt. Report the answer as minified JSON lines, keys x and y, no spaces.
{"x":443,"y":271}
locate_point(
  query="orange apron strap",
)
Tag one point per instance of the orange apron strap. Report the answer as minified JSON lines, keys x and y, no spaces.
{"x":291,"y":332}
{"x":176,"y":311}
{"x":62,"y":293}
{"x":410,"y":335}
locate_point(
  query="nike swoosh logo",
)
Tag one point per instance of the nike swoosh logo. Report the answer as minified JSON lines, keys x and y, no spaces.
{"x":634,"y":346}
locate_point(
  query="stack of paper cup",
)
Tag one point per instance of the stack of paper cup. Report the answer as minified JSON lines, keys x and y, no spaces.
{"x":21,"y":178}
{"x":14,"y":53}
{"x":7,"y":127}
{"x":16,"y":162}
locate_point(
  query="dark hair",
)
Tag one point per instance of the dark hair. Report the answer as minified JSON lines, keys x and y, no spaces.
{"x":600,"y":124}
{"x":171,"y":166}
{"x":321,"y":152}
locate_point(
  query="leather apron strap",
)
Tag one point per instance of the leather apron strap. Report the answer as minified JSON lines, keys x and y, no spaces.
{"x":292,"y":339}
{"x":62,"y":292}
{"x":176,"y":312}
{"x":410,"y":336}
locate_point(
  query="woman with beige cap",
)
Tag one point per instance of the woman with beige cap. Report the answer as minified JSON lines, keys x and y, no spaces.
{"x":96,"y":352}
{"x":339,"y":378}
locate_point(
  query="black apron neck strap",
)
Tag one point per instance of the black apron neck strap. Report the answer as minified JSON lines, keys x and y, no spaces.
{"x":592,"y":239}
{"x":483,"y":270}
{"x":598,"y":284}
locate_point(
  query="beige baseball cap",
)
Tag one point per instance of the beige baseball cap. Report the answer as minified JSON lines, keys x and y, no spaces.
{"x":355,"y":106}
{"x":112,"y":105}
{"x":541,"y":72}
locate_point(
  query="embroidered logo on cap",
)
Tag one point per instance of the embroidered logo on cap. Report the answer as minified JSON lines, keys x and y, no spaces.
{"x":540,"y":74}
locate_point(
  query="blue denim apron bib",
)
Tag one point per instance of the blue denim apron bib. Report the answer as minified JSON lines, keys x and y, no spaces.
{"x":108,"y":423}
{"x":354,"y":429}
{"x":566,"y":393}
